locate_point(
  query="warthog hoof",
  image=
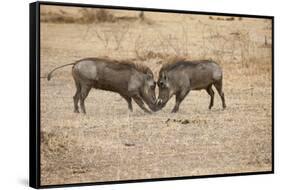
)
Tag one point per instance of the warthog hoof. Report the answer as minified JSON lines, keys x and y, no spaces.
{"x":174,"y":111}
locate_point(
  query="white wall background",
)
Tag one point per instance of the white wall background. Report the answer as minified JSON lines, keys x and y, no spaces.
{"x":14,"y":94}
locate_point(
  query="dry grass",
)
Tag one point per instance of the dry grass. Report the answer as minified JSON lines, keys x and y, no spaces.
{"x":110,"y":143}
{"x":82,"y":15}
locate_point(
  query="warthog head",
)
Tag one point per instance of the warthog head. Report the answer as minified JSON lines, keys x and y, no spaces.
{"x":165,"y":90}
{"x":148,"y":91}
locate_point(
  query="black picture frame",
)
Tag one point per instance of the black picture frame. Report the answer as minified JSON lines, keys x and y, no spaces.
{"x":34,"y":91}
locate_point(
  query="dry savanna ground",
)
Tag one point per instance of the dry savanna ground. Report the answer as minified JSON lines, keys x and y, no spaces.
{"x":111,"y":143}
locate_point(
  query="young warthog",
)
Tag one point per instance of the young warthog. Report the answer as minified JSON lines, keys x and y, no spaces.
{"x":130,"y":80}
{"x":183,"y":76}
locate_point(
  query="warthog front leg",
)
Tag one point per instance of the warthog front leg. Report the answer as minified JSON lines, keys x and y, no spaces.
{"x":139,"y":101}
{"x":129,"y":101}
{"x":179,"y":98}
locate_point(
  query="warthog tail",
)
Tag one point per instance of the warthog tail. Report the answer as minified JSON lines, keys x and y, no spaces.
{"x":50,"y":73}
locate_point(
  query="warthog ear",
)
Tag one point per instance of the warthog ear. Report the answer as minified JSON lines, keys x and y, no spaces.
{"x":149,"y":76}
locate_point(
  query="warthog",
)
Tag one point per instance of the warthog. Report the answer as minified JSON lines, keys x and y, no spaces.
{"x":180,"y":77}
{"x":131,"y":81}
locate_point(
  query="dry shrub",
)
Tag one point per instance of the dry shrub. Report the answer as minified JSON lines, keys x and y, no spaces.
{"x":163,"y":46}
{"x":54,"y":17}
{"x":235,"y":47}
{"x":170,"y":59}
{"x":147,"y":55}
{"x":221,"y":18}
{"x":111,"y":39}
{"x":230,"y":19}
{"x":87,"y":16}
{"x":218,"y":44}
{"x":95,"y":15}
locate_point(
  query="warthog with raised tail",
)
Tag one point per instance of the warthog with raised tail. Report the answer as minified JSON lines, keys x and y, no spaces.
{"x":131,"y":81}
{"x":180,"y":77}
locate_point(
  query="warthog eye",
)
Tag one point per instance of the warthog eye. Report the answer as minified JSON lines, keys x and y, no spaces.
{"x":161,"y":84}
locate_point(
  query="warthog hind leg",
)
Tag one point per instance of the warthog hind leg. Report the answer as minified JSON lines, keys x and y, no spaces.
{"x":76,"y":97}
{"x":218,"y":86}
{"x":211,"y":93}
{"x":83,"y":95}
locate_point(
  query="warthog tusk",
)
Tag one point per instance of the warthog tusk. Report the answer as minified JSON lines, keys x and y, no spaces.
{"x":159,"y":101}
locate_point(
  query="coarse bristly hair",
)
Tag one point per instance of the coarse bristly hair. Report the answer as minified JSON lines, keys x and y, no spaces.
{"x":177,"y":61}
{"x":121,"y":64}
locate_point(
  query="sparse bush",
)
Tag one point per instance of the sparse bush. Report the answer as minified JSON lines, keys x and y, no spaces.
{"x":61,"y":17}
{"x":88,"y":15}
{"x":222,"y":18}
{"x":230,"y":19}
{"x":96,"y":15}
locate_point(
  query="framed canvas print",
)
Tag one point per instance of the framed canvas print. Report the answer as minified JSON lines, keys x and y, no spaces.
{"x":121,"y":94}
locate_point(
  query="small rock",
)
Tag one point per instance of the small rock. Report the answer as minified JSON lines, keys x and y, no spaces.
{"x":186,"y":121}
{"x":167,"y":120}
{"x":129,"y":144}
